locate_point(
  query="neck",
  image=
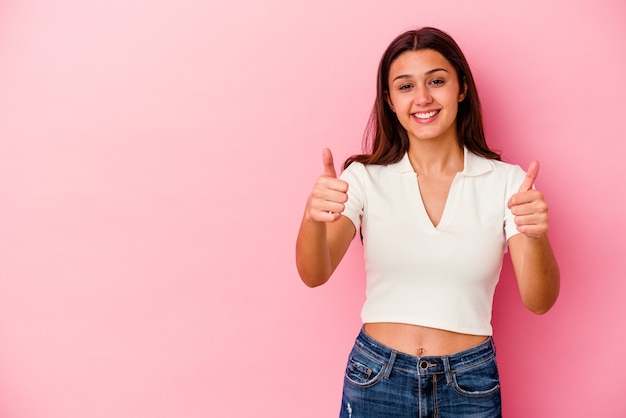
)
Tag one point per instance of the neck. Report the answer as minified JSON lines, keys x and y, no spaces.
{"x":433,"y":159}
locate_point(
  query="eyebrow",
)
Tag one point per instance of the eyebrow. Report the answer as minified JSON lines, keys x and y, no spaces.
{"x":429,"y":72}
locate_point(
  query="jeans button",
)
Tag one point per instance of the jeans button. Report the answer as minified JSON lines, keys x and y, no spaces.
{"x":423,"y":364}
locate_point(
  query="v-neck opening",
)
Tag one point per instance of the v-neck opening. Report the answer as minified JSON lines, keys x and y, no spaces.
{"x":448,"y":206}
{"x":473,"y":165}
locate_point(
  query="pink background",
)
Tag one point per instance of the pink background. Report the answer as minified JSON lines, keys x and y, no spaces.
{"x":155,"y":159}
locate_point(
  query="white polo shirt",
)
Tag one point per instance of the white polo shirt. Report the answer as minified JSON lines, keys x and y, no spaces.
{"x":441,"y":277}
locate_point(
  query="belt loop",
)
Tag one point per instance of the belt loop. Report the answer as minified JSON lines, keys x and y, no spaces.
{"x":446,"y":367}
{"x":392,"y":360}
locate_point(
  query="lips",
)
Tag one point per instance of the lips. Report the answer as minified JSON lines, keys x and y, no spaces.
{"x":425,"y":115}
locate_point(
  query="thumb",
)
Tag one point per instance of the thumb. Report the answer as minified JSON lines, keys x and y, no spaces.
{"x":531,"y":177}
{"x":329,"y":165}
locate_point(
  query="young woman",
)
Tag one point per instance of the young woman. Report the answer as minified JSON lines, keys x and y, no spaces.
{"x":436,"y":210}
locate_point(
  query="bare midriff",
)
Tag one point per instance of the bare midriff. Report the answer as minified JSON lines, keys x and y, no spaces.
{"x":421,"y":341}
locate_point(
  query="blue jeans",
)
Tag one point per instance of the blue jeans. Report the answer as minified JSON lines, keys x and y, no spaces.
{"x":381,"y":382}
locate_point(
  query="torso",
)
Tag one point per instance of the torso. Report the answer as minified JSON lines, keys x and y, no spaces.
{"x":414,"y":339}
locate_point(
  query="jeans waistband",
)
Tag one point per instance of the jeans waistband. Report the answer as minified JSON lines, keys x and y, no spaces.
{"x":485,"y":351}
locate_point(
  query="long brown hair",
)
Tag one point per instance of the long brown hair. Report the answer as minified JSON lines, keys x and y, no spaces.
{"x":385,"y":141}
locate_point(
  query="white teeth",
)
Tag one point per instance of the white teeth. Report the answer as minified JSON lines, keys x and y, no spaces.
{"x":425,"y":115}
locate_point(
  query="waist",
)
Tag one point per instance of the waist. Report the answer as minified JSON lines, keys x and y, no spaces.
{"x":421,"y":341}
{"x":429,"y":364}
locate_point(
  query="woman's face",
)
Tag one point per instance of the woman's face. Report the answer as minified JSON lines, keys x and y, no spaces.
{"x":424,"y":93}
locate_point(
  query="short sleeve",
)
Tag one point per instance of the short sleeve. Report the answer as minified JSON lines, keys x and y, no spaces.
{"x":516,"y":177}
{"x":354,"y":175}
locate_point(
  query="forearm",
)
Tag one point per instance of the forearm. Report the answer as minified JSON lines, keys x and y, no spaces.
{"x":312,"y":253}
{"x":539,"y":279}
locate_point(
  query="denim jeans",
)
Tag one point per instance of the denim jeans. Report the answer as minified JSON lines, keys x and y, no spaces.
{"x":383,"y":383}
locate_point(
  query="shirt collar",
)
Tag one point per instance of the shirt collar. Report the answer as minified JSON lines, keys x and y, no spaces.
{"x":474,"y":165}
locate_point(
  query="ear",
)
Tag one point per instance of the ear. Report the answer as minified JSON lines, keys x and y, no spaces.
{"x":463,"y":92}
{"x":388,"y":100}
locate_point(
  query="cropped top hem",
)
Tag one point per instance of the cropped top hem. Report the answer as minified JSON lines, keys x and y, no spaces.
{"x":460,"y":329}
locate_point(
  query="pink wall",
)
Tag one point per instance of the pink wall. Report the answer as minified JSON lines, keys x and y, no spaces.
{"x":155,"y":159}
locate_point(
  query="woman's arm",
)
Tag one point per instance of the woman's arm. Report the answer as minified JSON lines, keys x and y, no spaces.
{"x":536,"y":270}
{"x":533,"y":260}
{"x":325,"y":234}
{"x":320,"y":247}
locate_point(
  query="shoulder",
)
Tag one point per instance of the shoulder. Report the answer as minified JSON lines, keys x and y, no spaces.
{"x":401,"y":166}
{"x":477,"y":165}
{"x":354,"y":171}
{"x":374,"y":171}
{"x":506,"y":168}
{"x":494,"y":174}
{"x":513,"y":173}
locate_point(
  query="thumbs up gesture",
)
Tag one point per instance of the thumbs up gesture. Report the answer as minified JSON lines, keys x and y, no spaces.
{"x":528,"y":206}
{"x":329,"y":194}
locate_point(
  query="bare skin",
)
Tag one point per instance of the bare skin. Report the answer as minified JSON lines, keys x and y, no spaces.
{"x":421,"y":341}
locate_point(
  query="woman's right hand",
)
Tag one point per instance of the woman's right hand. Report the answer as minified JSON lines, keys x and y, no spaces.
{"x":329,"y":194}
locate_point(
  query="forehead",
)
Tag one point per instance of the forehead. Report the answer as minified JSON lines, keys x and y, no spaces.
{"x":420,"y":62}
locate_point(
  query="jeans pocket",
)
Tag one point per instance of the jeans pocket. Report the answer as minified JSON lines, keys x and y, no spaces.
{"x":362,"y":370}
{"x":477,"y":381}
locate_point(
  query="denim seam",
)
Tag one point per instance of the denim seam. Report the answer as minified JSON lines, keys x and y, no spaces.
{"x":375,"y":379}
{"x":479,"y":394}
{"x":446,"y":368}
{"x":371,"y":356}
{"x":389,"y":367}
{"x":474,"y":364}
{"x":436,"y":407}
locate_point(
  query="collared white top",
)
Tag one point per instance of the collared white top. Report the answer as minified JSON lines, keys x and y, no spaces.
{"x":441,"y":277}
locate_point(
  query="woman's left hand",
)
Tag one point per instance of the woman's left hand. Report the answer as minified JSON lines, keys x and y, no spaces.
{"x":529,"y":207}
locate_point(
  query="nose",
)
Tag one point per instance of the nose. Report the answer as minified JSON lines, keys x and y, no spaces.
{"x":422,"y":96}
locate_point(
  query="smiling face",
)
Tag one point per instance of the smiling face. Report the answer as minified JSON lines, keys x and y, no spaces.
{"x":424,"y":93}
